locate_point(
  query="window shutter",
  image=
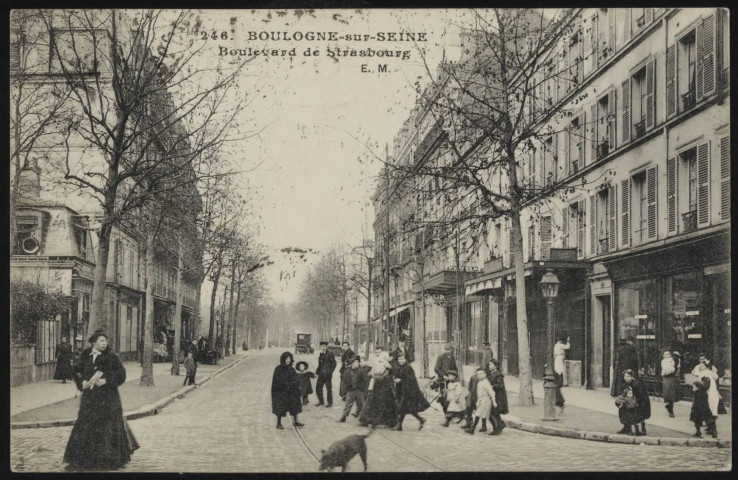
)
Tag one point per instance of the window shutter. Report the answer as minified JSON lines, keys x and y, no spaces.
{"x":565,"y":227}
{"x":15,"y":54}
{"x":530,"y":251}
{"x":593,"y":224}
{"x":671,"y":200}
{"x":612,"y":109}
{"x":565,"y":152}
{"x":671,"y":100}
{"x":627,"y":28}
{"x":611,"y":30}
{"x":545,"y":233}
{"x":625,"y":213}
{"x":593,"y":122}
{"x":651,"y":199}
{"x":627,"y":127}
{"x":650,"y":94}
{"x":703,"y":184}
{"x":612,"y":209}
{"x":725,"y":178}
{"x":594,"y":53}
{"x":581,"y":141}
{"x":648,"y":15}
{"x":581,"y":226}
{"x":705,"y":37}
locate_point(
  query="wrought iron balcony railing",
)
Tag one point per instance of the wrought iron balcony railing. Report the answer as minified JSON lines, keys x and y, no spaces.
{"x":640,"y":128}
{"x":689,"y":221}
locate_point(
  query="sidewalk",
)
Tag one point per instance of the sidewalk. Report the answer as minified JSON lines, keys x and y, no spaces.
{"x":52,"y":400}
{"x":594,"y":410}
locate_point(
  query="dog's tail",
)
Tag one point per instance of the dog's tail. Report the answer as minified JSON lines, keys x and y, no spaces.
{"x":371,"y":430}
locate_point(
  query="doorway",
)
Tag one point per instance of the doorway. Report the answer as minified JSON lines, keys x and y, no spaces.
{"x":606,"y":338}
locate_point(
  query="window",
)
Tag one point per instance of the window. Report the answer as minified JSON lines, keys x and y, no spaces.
{"x":131,"y":276}
{"x":686,"y":71}
{"x":531,"y":243}
{"x":576,"y":144}
{"x":549,"y":165}
{"x":603,"y":226}
{"x":74,"y":51}
{"x":640,"y":210}
{"x":636,"y":319}
{"x":47,"y":336}
{"x":81,"y":237}
{"x":26,"y":242}
{"x":498,"y":240}
{"x":639,"y":17}
{"x":576,"y":70}
{"x":638,"y":102}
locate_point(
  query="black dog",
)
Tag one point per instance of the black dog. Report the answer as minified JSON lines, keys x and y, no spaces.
{"x":342,"y":451}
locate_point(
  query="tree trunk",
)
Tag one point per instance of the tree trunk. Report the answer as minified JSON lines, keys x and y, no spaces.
{"x":222,"y":336}
{"x":98,"y":315}
{"x":424,"y":333}
{"x":197,"y":319}
{"x":368,"y":308}
{"x":211,"y":334}
{"x":235,"y":319}
{"x":525,"y":394}
{"x":147,"y":372}
{"x":230,"y":309}
{"x":178,"y":312}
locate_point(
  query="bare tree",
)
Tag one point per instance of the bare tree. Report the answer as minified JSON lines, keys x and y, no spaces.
{"x":134,"y":80}
{"x":484,"y":152}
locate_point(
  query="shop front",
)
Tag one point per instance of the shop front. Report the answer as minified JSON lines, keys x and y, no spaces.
{"x":677,"y":299}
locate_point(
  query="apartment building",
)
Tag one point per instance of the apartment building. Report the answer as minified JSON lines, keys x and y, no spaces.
{"x":641,"y":240}
{"x":56,"y":239}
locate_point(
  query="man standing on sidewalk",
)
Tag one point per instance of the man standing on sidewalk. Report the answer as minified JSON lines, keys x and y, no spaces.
{"x":402,"y":349}
{"x":326,"y":365}
{"x":487,"y":355}
{"x":346,"y":355}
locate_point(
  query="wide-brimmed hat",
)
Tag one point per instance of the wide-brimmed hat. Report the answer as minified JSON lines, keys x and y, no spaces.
{"x":452,"y":372}
{"x":448,"y":346}
{"x":323,"y":343}
{"x":301,"y":363}
{"x":355,"y":358}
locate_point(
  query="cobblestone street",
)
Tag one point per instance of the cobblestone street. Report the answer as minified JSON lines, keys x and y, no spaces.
{"x":227,"y":426}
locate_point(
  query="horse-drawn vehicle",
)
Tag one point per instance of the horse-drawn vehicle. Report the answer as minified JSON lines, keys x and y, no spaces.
{"x":303,"y":345}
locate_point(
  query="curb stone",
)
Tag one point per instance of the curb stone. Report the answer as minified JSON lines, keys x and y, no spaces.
{"x":145,"y":411}
{"x":515,"y":423}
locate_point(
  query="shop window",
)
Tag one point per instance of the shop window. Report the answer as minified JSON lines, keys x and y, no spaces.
{"x":685,"y":327}
{"x":636,"y":320}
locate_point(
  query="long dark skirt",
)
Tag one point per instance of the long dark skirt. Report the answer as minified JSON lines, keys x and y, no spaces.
{"x":700,"y":409}
{"x":100,"y":439}
{"x":380,"y":407}
{"x":670,"y":387}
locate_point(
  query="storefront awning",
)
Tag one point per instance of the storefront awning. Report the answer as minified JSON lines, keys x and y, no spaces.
{"x":484,"y":285}
{"x":398,"y":310}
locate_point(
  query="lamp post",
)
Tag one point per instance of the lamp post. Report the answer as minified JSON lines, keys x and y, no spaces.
{"x":550,"y":289}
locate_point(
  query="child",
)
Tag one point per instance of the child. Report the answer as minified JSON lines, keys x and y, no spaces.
{"x":455,"y":397}
{"x":627,"y":404}
{"x":303,"y":380}
{"x":485,"y":401}
{"x":352,"y":385}
{"x":497,"y":380}
{"x":189,"y":365}
{"x":701,"y":408}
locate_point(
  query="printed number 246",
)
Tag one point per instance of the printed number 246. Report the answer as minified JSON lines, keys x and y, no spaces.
{"x":214,"y":35}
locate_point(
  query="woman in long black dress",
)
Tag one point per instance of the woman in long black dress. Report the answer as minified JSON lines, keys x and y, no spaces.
{"x":497,"y":379}
{"x":380,"y":407}
{"x":286,"y":390}
{"x":410,"y":399}
{"x":64,"y":370}
{"x":100,"y":439}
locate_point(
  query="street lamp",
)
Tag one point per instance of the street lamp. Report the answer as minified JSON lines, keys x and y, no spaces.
{"x":550,"y":289}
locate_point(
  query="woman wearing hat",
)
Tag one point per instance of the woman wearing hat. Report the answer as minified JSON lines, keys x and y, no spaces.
{"x":669,"y":381}
{"x":286,"y":391}
{"x":410,"y":399}
{"x":643,"y":408}
{"x":100,"y":439}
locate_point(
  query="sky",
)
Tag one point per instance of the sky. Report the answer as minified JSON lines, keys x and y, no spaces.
{"x":320,"y":121}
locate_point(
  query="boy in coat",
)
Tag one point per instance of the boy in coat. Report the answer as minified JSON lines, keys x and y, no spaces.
{"x":303,"y":380}
{"x":352,"y":385}
{"x":455,"y":397}
{"x":485,"y":400}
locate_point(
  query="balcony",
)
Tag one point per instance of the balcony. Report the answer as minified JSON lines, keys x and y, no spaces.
{"x":574,"y":166}
{"x":689,"y":98}
{"x":640,"y":128}
{"x":689,"y":221}
{"x":602,"y":149}
{"x":641,"y":21}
